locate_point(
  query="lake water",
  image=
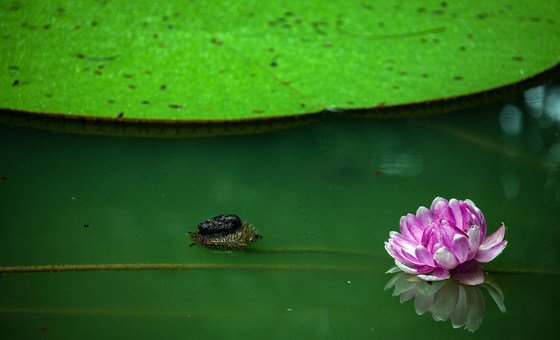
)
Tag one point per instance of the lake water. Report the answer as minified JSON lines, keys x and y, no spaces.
{"x":324,"y":196}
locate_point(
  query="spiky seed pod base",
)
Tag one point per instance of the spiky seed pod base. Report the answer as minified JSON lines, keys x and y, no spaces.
{"x":235,"y":240}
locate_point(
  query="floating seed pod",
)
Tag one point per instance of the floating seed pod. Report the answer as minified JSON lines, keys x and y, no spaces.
{"x":222,"y":224}
{"x":224,"y":232}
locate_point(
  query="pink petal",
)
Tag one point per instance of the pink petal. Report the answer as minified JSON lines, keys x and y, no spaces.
{"x":424,"y":256}
{"x":495,"y":238}
{"x":445,"y":258}
{"x":401,"y":242}
{"x":469,"y":273}
{"x":411,"y":259}
{"x":413,"y":227}
{"x":474,"y":241}
{"x":406,"y":268}
{"x":413,"y":270}
{"x":441,"y":210}
{"x":436,"y":247}
{"x":437,"y":275}
{"x":478,"y":214}
{"x":405,"y":231}
{"x":389,"y":249}
{"x":436,"y":201}
{"x":460,"y":247}
{"x":487,"y":255}
{"x":394,"y":252}
{"x":424,"y":216}
{"x":456,"y":211}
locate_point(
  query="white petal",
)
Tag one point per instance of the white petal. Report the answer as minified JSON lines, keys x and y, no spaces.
{"x":445,"y":258}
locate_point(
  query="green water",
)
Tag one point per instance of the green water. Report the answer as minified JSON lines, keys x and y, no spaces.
{"x":324,"y":196}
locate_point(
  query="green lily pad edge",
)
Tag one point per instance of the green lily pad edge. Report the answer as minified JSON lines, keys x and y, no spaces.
{"x":126,"y":127}
{"x":177,"y":69}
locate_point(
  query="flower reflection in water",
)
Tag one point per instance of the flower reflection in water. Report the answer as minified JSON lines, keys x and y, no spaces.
{"x":447,"y":300}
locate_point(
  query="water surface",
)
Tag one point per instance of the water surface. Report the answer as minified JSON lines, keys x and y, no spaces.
{"x":324,"y":196}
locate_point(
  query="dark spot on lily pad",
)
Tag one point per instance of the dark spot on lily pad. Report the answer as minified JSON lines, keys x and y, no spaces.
{"x":15,"y":83}
{"x":482,"y":16}
{"x":120,"y":115}
{"x":176,"y":106}
{"x":257,"y":111}
{"x":13,"y":68}
{"x":457,"y":78}
{"x":517,"y":58}
{"x":216,"y":41}
{"x":16,"y":6}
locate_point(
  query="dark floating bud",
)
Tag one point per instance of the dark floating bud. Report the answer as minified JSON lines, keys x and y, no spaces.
{"x":224,"y":232}
{"x":222,"y":224}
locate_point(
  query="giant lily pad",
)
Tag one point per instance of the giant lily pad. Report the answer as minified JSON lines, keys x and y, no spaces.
{"x":187,"y":62}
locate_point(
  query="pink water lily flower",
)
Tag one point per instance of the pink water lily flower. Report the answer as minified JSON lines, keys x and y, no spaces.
{"x":447,"y":240}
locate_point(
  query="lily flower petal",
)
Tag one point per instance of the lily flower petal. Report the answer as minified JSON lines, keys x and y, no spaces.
{"x":460,"y":247}
{"x":445,"y":258}
{"x":487,"y":255}
{"x":448,"y":239}
{"x":424,"y":255}
{"x":437,"y":275}
{"x":474,"y":241}
{"x":495,"y":238}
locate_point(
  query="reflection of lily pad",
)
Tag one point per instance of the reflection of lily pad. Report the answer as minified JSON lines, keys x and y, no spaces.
{"x":222,"y":61}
